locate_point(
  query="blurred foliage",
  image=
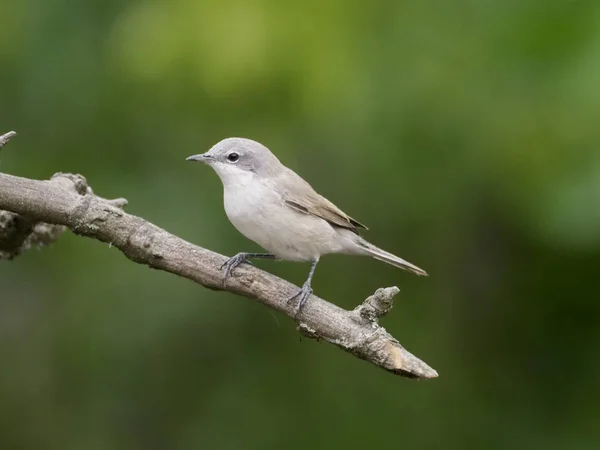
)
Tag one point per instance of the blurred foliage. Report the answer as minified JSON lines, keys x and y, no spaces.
{"x":463,"y":133}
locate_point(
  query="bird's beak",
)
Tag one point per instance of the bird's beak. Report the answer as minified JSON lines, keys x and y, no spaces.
{"x":203,"y":157}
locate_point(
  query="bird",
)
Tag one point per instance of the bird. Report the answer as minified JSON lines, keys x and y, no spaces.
{"x":273,"y":206}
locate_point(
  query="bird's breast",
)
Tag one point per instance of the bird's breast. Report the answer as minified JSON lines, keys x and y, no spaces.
{"x":259,"y":213}
{"x":251,"y":209}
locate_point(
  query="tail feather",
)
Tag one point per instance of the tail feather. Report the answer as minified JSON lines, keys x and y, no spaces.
{"x":386,"y":257}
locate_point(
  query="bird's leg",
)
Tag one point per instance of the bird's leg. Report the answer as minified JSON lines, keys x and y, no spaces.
{"x":303,"y":294}
{"x":240,"y":258}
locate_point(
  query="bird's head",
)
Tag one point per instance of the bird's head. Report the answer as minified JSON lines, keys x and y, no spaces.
{"x":233,"y":158}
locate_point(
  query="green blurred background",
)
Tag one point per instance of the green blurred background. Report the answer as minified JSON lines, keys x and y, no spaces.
{"x":463,"y":133}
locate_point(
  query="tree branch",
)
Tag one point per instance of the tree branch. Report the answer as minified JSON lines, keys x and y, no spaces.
{"x":6,"y":137}
{"x":67,"y":201}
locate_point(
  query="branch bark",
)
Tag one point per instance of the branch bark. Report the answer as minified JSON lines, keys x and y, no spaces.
{"x":66,"y":201}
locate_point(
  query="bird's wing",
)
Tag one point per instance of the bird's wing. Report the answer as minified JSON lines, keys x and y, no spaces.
{"x":300,"y":195}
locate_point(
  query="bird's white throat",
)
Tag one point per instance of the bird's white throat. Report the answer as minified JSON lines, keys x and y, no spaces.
{"x":233,"y":176}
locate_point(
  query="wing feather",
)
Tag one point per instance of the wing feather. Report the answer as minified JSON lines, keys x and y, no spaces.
{"x":300,"y":196}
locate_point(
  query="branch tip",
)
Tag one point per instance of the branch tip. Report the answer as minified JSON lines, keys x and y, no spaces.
{"x":7,"y":137}
{"x":406,"y":364}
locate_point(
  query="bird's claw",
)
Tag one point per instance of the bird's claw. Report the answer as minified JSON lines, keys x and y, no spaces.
{"x":232,"y":263}
{"x":302,"y":296}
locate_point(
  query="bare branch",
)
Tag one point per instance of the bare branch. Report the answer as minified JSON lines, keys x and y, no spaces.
{"x":6,"y":137}
{"x":66,"y":201}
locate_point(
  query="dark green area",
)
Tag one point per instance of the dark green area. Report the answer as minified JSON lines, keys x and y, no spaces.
{"x":464,"y":133}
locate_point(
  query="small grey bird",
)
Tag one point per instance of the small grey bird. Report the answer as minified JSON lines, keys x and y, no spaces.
{"x":274,"y":207}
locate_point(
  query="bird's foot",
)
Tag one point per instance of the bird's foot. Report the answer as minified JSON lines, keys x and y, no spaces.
{"x":233,"y":262}
{"x":301,"y":296}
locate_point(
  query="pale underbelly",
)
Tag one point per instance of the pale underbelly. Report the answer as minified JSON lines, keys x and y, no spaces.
{"x":288,"y":234}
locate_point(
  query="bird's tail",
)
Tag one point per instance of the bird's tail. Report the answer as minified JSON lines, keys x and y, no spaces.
{"x":387,"y":257}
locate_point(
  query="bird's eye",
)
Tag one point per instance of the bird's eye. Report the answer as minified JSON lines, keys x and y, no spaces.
{"x":233,"y":157}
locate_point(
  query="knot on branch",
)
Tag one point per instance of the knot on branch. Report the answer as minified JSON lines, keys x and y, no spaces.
{"x":80,"y":185}
{"x":305,"y":330}
{"x":78,"y":182}
{"x":378,"y":304}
